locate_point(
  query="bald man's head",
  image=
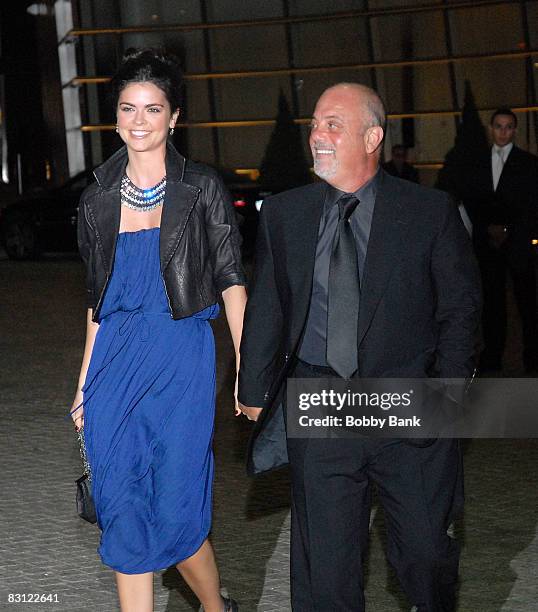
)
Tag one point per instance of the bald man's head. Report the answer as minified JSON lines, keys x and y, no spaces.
{"x":347,"y":132}
{"x":367,"y":99}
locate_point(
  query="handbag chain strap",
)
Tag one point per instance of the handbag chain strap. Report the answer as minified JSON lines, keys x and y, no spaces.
{"x":83,"y":455}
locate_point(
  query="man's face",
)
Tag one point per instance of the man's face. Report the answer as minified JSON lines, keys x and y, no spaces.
{"x":503,"y":130}
{"x":337,"y":136}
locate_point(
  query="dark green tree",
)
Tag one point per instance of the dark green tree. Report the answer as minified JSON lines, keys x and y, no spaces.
{"x":471,"y":144}
{"x":284,"y":164}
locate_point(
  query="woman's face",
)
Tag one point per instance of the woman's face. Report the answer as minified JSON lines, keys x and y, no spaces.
{"x":144,"y":117}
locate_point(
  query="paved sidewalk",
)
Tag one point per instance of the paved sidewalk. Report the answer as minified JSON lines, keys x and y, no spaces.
{"x":46,"y":549}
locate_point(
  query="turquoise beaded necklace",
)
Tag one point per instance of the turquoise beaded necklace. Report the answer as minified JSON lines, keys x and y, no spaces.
{"x":142,"y":199}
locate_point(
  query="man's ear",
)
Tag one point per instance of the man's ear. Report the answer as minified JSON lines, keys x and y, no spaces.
{"x":373,"y":138}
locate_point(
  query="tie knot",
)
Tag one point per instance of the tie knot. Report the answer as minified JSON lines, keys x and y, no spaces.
{"x":347,"y":204}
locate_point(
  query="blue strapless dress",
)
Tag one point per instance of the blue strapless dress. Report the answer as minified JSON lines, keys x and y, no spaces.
{"x":149,"y":403}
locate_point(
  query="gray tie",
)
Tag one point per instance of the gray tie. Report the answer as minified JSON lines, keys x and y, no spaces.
{"x":344,"y":293}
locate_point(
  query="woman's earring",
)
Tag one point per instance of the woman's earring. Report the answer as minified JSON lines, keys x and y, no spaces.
{"x":171,"y":132}
{"x":117,"y":129}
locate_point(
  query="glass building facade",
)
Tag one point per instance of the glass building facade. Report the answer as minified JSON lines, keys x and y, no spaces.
{"x":239,"y":54}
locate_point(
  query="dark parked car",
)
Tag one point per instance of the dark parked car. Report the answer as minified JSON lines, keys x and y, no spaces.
{"x":47,"y":220}
{"x":43,"y":221}
{"x":247,"y":197}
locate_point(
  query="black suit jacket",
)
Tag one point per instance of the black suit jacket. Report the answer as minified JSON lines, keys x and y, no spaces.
{"x":514,"y":204}
{"x":419,"y":306}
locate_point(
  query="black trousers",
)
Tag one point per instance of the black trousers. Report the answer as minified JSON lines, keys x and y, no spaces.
{"x":495,"y":265}
{"x":420,"y":490}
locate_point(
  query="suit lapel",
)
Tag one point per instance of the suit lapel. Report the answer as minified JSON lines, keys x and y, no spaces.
{"x":307,"y":211}
{"x":385,"y":245}
{"x":488,"y":170}
{"x":509,"y":164}
{"x":303,"y":219}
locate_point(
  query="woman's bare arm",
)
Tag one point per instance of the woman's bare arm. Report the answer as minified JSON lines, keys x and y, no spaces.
{"x":235,"y":299}
{"x":91,"y":331}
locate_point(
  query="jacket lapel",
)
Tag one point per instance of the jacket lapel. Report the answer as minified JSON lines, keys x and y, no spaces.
{"x":179,"y":200}
{"x":107,"y":219}
{"x":509,"y":164}
{"x":385,"y":244}
{"x":107,"y":214}
{"x":304,"y":215}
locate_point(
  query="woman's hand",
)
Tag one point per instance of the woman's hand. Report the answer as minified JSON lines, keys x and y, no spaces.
{"x":78,"y":414}
{"x":251,"y":412}
{"x":77,"y":410}
{"x":237,"y":409}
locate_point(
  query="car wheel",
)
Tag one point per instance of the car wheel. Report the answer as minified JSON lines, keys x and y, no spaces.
{"x":20,"y":240}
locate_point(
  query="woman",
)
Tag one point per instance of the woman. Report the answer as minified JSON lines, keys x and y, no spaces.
{"x":158,"y":236}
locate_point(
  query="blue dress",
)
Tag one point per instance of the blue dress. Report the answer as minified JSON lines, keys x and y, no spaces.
{"x":149,"y":404}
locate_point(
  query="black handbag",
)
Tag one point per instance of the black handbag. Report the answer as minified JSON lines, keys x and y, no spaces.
{"x":84,"y":499}
{"x":85,"y":505}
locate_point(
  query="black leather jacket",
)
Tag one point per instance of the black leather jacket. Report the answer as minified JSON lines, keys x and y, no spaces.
{"x":199,"y":241}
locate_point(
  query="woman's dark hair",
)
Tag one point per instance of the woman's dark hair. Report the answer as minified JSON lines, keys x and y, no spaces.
{"x":149,"y":66}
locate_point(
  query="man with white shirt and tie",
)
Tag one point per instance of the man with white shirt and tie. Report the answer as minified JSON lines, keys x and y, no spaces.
{"x":504,"y":211}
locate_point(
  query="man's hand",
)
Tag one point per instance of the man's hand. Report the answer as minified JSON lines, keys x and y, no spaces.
{"x":497,"y":235}
{"x":251,"y":412}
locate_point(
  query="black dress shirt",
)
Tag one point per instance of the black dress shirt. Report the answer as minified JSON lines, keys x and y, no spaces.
{"x":313,"y":348}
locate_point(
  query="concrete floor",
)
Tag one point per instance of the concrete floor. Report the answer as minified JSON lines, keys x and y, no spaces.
{"x":46,"y":549}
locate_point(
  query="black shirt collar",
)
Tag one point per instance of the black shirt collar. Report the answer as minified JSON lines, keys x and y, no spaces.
{"x":365,"y":193}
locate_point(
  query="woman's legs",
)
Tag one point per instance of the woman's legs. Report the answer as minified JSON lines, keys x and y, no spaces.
{"x":200,"y":572}
{"x":135,"y":592}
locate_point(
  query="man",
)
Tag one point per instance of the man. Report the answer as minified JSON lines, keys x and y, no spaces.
{"x":413,"y":314}
{"x":503,"y":207}
{"x":399,"y":166}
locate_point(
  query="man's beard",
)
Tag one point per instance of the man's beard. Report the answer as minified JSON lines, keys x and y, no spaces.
{"x":323,"y":170}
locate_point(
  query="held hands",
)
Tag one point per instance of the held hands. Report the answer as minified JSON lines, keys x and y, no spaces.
{"x":237,"y":409}
{"x":251,"y":412}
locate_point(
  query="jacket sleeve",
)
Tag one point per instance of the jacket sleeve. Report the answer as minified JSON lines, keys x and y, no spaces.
{"x":84,"y":237}
{"x":457,"y":283}
{"x":262,"y":326}
{"x":223,"y":237}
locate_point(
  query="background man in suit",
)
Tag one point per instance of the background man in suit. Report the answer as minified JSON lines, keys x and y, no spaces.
{"x":503,"y":207}
{"x":399,"y":166}
{"x":413,"y":314}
